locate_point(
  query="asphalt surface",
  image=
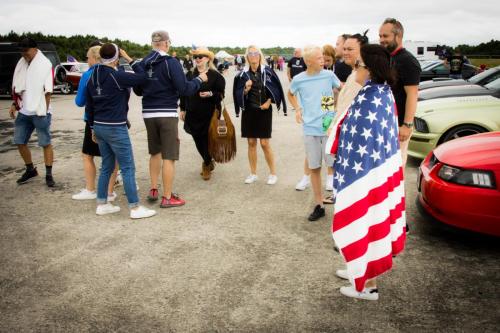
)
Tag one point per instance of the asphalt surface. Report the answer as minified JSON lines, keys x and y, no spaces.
{"x":235,"y":258}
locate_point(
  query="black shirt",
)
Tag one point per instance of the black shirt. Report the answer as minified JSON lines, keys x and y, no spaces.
{"x":296,"y":65}
{"x":456,"y":62}
{"x":342,"y":70}
{"x":257,"y":93}
{"x":408,"y":71}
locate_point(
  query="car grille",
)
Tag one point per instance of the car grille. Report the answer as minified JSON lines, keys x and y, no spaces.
{"x":421,"y":125}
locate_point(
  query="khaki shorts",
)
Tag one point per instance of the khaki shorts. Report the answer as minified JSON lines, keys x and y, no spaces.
{"x":163,"y":137}
{"x":315,"y":151}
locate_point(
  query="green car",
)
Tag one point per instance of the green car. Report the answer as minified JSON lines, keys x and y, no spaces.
{"x":439,"y":120}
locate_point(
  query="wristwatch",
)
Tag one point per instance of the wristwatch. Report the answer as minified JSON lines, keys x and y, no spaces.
{"x":409,"y":125}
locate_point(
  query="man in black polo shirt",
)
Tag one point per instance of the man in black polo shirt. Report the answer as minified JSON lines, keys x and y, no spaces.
{"x":342,"y":70}
{"x":405,"y":89}
{"x":295,"y":65}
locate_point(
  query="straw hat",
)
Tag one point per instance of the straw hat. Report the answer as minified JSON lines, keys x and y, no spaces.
{"x":202,"y":50}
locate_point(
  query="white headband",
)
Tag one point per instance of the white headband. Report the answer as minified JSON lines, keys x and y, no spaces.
{"x":114,"y":58}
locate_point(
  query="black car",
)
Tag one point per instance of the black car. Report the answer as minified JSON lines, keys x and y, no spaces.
{"x":10,"y":53}
{"x":470,"y":90}
{"x":482,"y":79}
{"x":438,"y":70}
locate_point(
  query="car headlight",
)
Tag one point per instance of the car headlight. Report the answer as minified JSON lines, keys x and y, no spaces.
{"x":476,"y":178}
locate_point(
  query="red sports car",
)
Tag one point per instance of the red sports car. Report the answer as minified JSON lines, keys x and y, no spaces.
{"x":459,"y":183}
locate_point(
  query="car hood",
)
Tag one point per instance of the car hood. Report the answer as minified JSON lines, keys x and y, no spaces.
{"x":480,"y":151}
{"x":437,"y":105}
{"x":453,"y":91}
{"x":441,"y":83}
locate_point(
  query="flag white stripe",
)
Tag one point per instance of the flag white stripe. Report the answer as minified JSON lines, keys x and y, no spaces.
{"x":358,"y":229}
{"x":374,"y":178}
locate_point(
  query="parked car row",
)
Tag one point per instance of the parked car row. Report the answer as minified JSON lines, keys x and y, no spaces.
{"x":459,"y":178}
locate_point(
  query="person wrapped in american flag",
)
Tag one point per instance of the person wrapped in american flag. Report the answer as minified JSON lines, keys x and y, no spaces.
{"x":369,"y":220}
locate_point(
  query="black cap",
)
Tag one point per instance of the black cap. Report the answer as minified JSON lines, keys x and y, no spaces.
{"x":27,"y":43}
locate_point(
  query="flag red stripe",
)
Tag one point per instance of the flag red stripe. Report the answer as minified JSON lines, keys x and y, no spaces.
{"x":374,"y":269}
{"x":375,"y":232}
{"x":360,"y":207}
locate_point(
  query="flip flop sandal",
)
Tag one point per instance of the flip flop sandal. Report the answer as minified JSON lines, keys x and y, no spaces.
{"x":328,"y":200}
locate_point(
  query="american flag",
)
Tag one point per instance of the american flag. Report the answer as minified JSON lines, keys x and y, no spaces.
{"x":369,"y":220}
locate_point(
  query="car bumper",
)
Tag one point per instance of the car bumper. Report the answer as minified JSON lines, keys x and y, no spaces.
{"x":460,"y":206}
{"x":421,"y":144}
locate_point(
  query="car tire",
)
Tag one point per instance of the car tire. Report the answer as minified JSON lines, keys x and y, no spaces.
{"x":66,"y":88}
{"x":60,"y":76}
{"x":461,"y":131}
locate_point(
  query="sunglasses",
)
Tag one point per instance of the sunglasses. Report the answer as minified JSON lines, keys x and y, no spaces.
{"x":199,"y":57}
{"x":253,"y":54}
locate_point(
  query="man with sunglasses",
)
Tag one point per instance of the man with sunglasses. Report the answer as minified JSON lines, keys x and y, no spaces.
{"x":405,"y":89}
{"x":164,"y":85}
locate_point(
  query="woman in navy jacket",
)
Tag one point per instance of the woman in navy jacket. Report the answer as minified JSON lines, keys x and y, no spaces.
{"x":255,"y":88}
{"x":107,"y":94}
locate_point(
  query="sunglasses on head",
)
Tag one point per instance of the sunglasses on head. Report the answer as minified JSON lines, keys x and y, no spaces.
{"x":199,"y":56}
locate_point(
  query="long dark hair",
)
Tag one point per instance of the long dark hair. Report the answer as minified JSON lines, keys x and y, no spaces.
{"x":377,"y":60}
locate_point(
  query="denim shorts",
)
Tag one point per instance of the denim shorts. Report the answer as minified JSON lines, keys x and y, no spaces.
{"x":24,"y":126}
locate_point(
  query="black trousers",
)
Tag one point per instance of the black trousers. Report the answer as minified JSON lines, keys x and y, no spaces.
{"x":201,"y":142}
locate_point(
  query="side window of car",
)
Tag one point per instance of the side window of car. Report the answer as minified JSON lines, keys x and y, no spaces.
{"x":493,"y":77}
{"x":440,"y":69}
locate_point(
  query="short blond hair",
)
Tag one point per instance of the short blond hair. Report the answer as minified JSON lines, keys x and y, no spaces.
{"x":262,"y":59}
{"x":329,"y":50}
{"x":310,"y":50}
{"x":94,"y":52}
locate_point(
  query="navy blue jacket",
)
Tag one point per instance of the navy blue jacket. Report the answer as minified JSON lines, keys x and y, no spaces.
{"x":270,"y":81}
{"x":107,"y":94}
{"x":165,"y":83}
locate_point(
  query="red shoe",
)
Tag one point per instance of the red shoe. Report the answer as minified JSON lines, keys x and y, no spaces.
{"x":174,"y":201}
{"x":153,"y":194}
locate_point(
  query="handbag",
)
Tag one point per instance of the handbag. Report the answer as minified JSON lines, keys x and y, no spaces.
{"x":221,"y":136}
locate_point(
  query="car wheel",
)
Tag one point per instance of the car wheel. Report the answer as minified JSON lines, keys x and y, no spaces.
{"x":66,"y":88}
{"x":461,"y":131}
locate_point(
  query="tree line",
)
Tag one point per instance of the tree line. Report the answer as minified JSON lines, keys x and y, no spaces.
{"x":77,"y":45}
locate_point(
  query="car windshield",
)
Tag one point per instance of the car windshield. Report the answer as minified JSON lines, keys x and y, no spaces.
{"x":495,"y":85}
{"x":479,"y":77}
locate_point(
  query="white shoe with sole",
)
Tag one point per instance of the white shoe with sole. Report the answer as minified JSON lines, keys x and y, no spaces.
{"x":303,"y":183}
{"x":141,"y":212}
{"x":272,"y":179}
{"x":342,"y":273}
{"x":107,"y":208}
{"x":84,"y":194}
{"x":251,"y":179}
{"x":369,"y":294}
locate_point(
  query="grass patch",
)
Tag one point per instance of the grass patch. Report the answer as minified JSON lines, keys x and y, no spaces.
{"x":488,"y":62}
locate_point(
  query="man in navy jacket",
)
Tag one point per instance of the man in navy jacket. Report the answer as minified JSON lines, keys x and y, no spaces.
{"x":165,"y":83}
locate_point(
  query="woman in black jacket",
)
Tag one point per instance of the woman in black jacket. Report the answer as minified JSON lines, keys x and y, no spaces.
{"x":197,"y":110}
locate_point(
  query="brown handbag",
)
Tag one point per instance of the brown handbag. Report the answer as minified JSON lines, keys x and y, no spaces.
{"x":221,"y":137}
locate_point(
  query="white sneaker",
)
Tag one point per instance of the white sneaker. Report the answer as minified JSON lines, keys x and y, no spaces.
{"x":106,"y":209}
{"x":370,"y":294}
{"x":84,"y":194}
{"x":329,"y":183}
{"x":303,"y":184}
{"x":112,"y":197}
{"x":251,"y":179}
{"x":137,"y":185}
{"x":342,"y":273}
{"x":272,"y":179}
{"x":141,"y":212}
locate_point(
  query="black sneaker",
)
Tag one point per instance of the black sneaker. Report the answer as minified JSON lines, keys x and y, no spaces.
{"x":317,"y":213}
{"x":27,"y":175}
{"x":49,"y":180}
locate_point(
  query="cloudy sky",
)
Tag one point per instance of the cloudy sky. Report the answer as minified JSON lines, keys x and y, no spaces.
{"x":265,"y":23}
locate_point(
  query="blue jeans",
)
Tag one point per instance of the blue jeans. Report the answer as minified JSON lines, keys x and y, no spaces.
{"x":114,"y":144}
{"x":25,"y":125}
